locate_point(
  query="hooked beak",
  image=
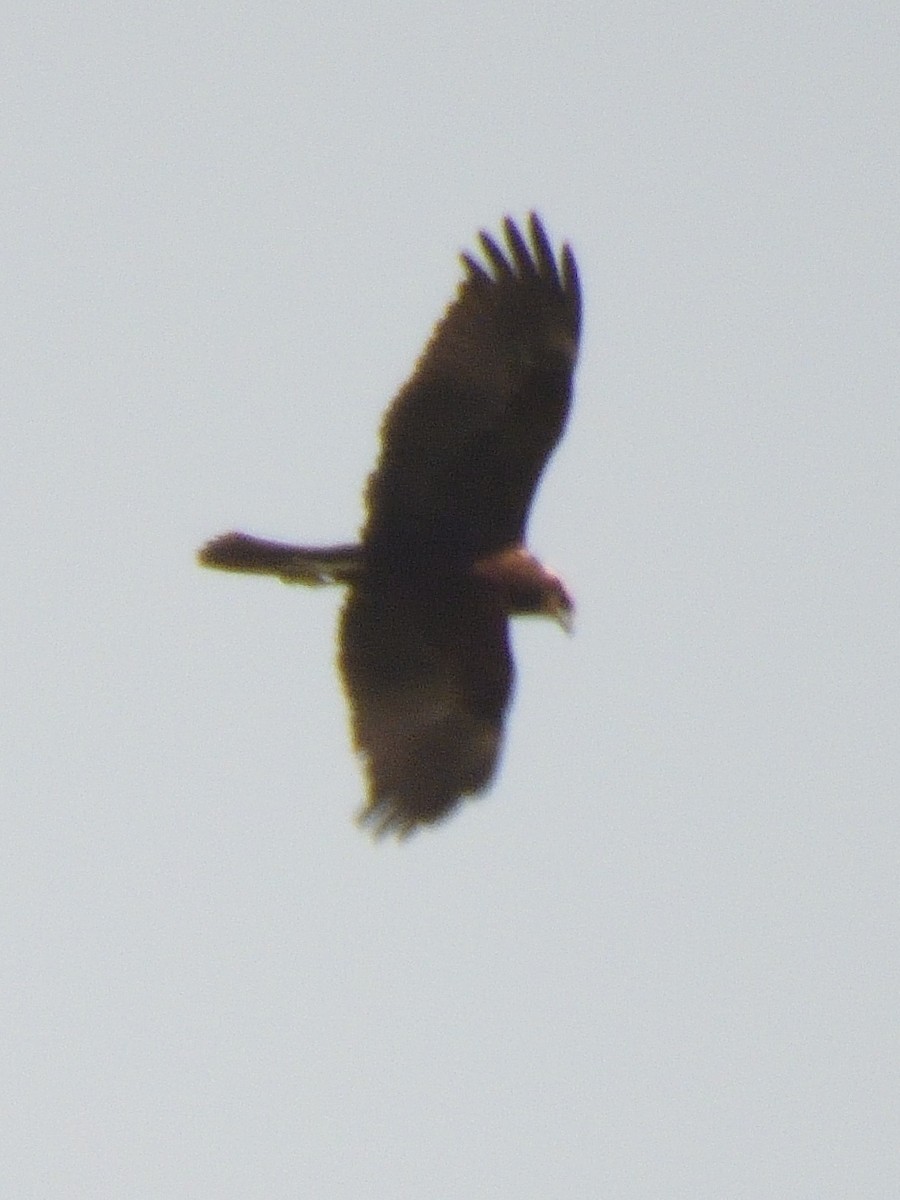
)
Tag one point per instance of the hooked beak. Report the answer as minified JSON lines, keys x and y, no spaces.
{"x":565,"y":619}
{"x":560,"y":608}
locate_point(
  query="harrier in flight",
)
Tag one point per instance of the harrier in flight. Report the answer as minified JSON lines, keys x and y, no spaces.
{"x":441,"y":563}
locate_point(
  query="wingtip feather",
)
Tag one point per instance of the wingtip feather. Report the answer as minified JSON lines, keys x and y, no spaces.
{"x":495,"y":256}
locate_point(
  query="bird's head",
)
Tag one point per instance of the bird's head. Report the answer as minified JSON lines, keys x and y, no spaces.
{"x":526,"y":587}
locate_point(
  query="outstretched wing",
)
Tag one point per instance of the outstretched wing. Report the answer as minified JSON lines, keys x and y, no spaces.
{"x":464,"y":442}
{"x":428,"y":678}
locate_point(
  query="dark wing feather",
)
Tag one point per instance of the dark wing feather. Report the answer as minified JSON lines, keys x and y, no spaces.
{"x":428,"y":677}
{"x":464,"y":442}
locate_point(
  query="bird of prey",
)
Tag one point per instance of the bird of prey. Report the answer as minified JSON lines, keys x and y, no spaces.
{"x":441,"y":563}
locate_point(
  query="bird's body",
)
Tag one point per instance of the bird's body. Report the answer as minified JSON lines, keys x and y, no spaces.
{"x":441,"y":563}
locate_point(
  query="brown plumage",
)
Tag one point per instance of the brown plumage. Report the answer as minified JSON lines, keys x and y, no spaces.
{"x":441,"y":564}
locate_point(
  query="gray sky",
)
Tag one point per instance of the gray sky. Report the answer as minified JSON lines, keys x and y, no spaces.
{"x":660,"y":959}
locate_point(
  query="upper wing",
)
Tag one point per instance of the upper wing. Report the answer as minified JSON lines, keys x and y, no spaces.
{"x":464,"y":442}
{"x":428,"y":677}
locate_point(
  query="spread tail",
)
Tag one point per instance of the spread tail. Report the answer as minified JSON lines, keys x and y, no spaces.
{"x":293,"y":564}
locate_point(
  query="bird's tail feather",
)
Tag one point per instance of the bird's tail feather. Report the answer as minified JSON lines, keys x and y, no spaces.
{"x":312,"y":565}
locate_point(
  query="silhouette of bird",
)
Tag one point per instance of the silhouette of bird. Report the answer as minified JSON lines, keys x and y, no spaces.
{"x":441,"y":563}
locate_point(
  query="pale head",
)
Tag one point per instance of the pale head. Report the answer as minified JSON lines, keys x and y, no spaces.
{"x":525,"y":585}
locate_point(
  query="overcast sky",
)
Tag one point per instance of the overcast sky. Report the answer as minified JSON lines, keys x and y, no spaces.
{"x":662,"y":957}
